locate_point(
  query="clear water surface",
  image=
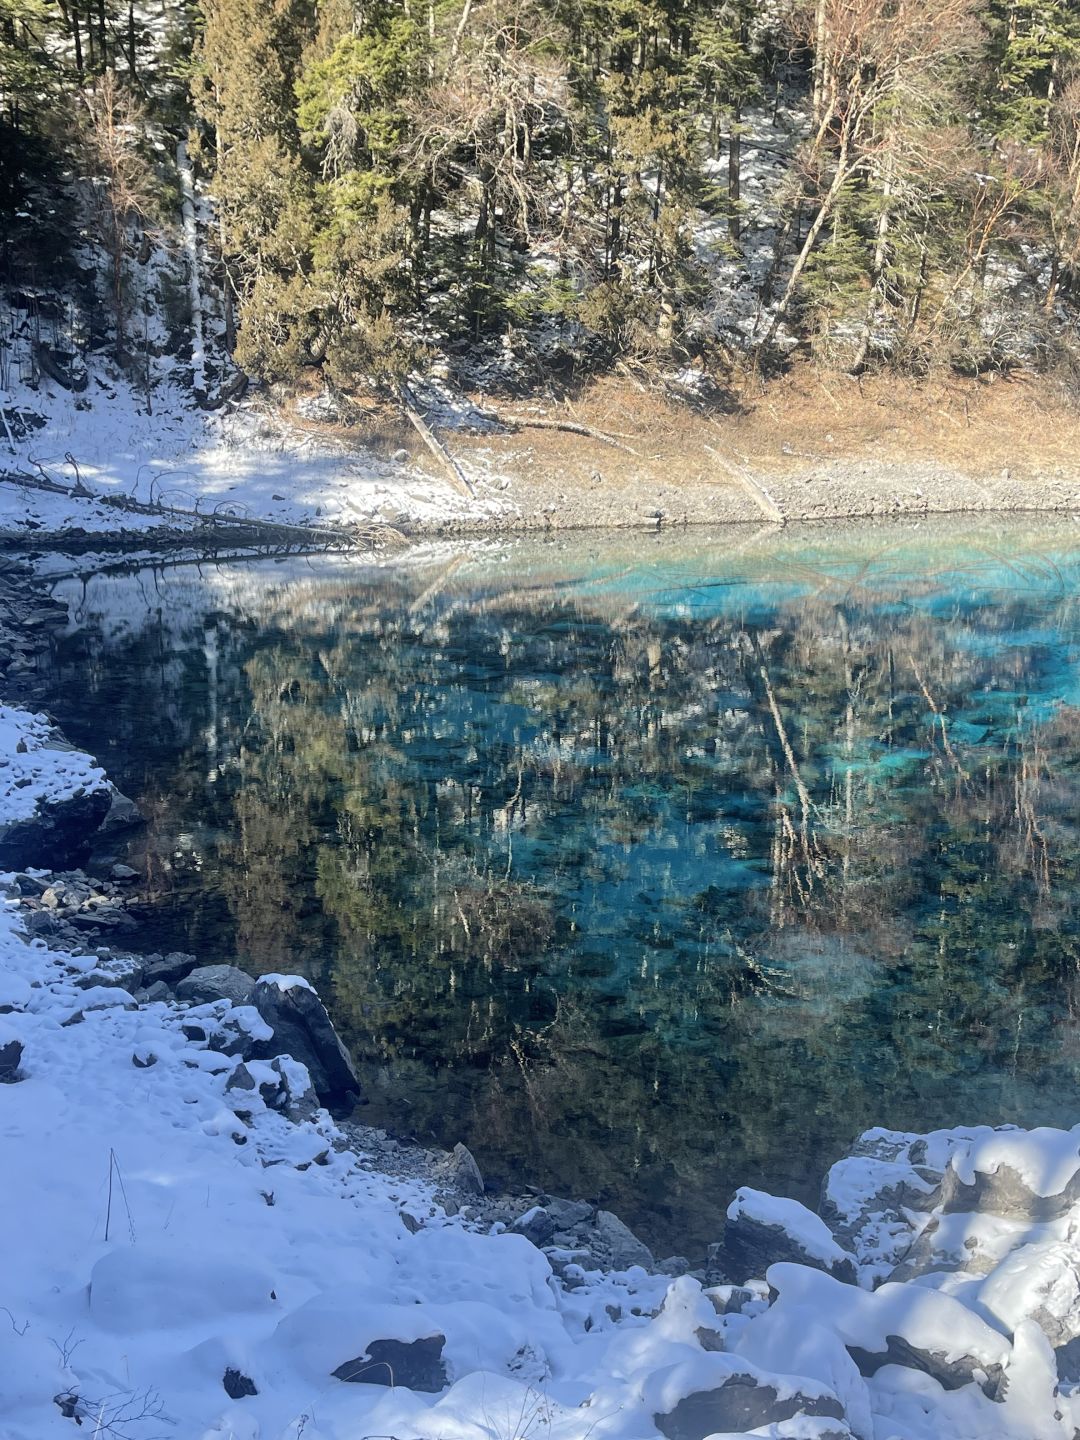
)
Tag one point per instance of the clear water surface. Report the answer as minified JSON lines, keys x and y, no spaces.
{"x":645,"y":865}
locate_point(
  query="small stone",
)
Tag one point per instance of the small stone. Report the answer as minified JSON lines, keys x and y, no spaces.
{"x":237,"y":1384}
{"x":143,"y":1059}
{"x":123,"y":872}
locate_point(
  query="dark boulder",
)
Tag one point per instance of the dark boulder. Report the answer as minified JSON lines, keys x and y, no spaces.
{"x":569,"y":1213}
{"x":740,"y":1403}
{"x":167,"y":969}
{"x":536,"y":1225}
{"x":10,"y":1059}
{"x":237,"y":1384}
{"x":208,"y":983}
{"x":417,"y":1365}
{"x":57,"y":834}
{"x":303,"y":1029}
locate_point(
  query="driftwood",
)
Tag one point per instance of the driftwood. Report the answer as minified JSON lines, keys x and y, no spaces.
{"x":760,"y":496}
{"x":434,"y":444}
{"x":572,"y":427}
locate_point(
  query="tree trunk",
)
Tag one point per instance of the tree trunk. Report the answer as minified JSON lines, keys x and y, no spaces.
{"x":459,"y":34}
{"x":73,"y":21}
{"x":191,"y":253}
{"x":734,"y":174}
{"x":820,"y":39}
{"x":881,"y":250}
{"x":844,"y":171}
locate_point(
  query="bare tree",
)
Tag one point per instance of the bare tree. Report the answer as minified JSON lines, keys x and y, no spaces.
{"x":114,"y":126}
{"x":884,"y":63}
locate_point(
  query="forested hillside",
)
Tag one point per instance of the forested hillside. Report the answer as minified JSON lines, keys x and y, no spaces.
{"x":517,"y":190}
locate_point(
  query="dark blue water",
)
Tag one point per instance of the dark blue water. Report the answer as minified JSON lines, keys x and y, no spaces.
{"x":646,"y":867}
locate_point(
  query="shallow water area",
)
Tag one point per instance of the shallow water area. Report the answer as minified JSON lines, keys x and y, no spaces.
{"x":647,"y":865}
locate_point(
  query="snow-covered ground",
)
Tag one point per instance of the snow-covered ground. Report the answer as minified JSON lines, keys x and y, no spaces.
{"x":168,"y":1234}
{"x":248,"y":462}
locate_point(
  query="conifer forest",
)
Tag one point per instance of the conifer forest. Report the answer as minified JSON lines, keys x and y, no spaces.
{"x":372,"y":187}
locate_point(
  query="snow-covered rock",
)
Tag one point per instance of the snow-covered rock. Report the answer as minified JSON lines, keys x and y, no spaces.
{"x":722,"y":1393}
{"x":762,"y":1230}
{"x":906,"y":1325}
{"x":302,"y":1028}
{"x":1023,"y":1175}
{"x":52,"y":796}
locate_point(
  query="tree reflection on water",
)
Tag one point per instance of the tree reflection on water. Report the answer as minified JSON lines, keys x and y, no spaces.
{"x":642,"y":882}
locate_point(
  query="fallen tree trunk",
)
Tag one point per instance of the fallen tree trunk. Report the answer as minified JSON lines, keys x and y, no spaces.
{"x":572,"y":427}
{"x":435,"y":445}
{"x":760,"y":496}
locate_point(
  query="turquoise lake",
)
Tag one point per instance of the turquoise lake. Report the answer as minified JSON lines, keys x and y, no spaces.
{"x":647,"y":866}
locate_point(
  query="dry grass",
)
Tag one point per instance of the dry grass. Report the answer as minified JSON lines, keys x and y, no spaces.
{"x":819,"y":443}
{"x":977,"y":426}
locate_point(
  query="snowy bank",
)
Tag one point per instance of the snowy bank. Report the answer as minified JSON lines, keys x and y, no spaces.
{"x":249,"y":461}
{"x":193,"y":1247}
